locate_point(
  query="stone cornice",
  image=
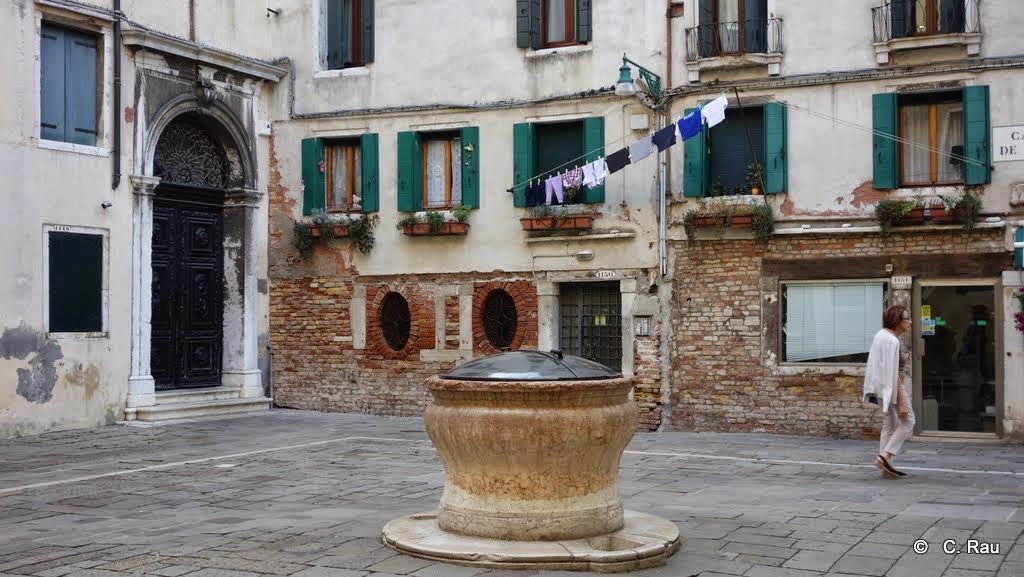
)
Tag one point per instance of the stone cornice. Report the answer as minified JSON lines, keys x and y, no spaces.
{"x":159,"y":42}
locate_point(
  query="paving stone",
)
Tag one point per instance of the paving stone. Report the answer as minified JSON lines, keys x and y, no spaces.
{"x":822,"y":546}
{"x":174,"y":571}
{"x":813,"y":560}
{"x":878,"y":550}
{"x":759,"y":560}
{"x":745,"y":536}
{"x":447,"y":570}
{"x":763,"y":550}
{"x":1011,"y":569}
{"x":967,"y":573}
{"x":328,"y":572}
{"x":762,"y":571}
{"x":862,"y":565}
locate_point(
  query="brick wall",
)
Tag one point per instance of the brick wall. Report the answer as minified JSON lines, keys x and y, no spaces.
{"x":724,"y":375}
{"x":647,"y":370}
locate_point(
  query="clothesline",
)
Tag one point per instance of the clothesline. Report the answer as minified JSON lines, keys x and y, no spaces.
{"x":943,"y":153}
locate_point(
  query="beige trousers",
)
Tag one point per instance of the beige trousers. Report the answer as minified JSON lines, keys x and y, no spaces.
{"x":894,"y":429}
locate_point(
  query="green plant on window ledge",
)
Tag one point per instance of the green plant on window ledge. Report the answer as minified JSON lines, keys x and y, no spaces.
{"x":360,"y":230}
{"x":966,"y":204}
{"x":889,"y":211}
{"x":324,"y":224}
{"x":409,"y":220}
{"x":303,"y":239}
{"x":435,"y":219}
{"x":753,"y":177}
{"x":461,"y":213}
{"x":763,"y":223}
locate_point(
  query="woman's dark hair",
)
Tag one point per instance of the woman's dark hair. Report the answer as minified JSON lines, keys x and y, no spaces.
{"x":893,"y":316}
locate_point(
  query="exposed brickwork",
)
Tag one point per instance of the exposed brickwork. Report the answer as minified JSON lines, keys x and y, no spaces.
{"x":647,"y":370}
{"x":524,"y":295}
{"x":421,"y":321}
{"x":722,"y":379}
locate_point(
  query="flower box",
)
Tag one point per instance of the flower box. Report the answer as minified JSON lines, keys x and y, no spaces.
{"x":446,"y":229}
{"x":935,"y":215}
{"x":711,"y":221}
{"x":570,"y":222}
{"x":915,"y":216}
{"x":340,"y":231}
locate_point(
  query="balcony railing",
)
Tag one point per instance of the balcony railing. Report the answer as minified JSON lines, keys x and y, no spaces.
{"x":755,"y":36}
{"x":902,"y":19}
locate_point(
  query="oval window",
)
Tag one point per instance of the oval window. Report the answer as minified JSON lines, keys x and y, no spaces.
{"x":500,"y":319}
{"x":395,"y":321}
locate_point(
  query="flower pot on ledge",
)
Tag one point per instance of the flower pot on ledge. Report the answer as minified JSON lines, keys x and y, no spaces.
{"x":340,"y":231}
{"x":446,"y":229}
{"x":936,"y":215}
{"x":569,"y":222}
{"x":737,"y":221}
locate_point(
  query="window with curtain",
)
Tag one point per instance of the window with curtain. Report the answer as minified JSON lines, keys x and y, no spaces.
{"x":932,"y":132}
{"x":830,"y":322}
{"x":344,"y":178}
{"x":442,"y":171}
{"x":558,"y":22}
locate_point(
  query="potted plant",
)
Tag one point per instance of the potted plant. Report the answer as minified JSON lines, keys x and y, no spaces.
{"x":965,"y":206}
{"x":360,"y":230}
{"x":754,"y":175}
{"x":889,"y":212}
{"x":434,"y":223}
{"x":544,"y":217}
{"x":303,"y":239}
{"x":759,"y":218}
{"x":325,"y":227}
{"x":763,"y":222}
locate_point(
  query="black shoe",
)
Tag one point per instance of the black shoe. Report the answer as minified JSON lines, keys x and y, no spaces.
{"x":889,"y":468}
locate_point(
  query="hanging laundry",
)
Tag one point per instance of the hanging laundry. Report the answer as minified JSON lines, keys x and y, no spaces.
{"x":665,"y":137}
{"x":690,"y":125}
{"x":553,"y":186}
{"x":589,"y":179}
{"x":617,"y":160}
{"x":572,"y":179}
{"x":640,"y":149}
{"x":714,"y":112}
{"x":600,"y":170}
{"x":534,"y":193}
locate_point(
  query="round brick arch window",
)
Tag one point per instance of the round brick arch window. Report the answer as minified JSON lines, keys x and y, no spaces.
{"x":395,"y":321}
{"x":500,"y":319}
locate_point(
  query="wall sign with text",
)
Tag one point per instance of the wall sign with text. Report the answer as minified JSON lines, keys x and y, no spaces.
{"x":1007,"y":143}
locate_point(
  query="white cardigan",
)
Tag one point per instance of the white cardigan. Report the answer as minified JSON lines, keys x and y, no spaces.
{"x":882,"y":374}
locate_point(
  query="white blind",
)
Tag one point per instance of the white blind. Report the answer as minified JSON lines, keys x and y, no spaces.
{"x":825,"y":321}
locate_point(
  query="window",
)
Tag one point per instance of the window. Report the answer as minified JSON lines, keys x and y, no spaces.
{"x":932,"y":129}
{"x":442,"y":171}
{"x":349,"y":33}
{"x":551,"y":23}
{"x":733,"y":27}
{"x":344,"y":182}
{"x":932,"y":138}
{"x":716,"y":160}
{"x":68,"y":85}
{"x":500,"y":319}
{"x":340,"y":175}
{"x":75,"y":281}
{"x":438,"y":169}
{"x":543,"y":149}
{"x":928,"y":17}
{"x":395,"y":321}
{"x":830,"y":323}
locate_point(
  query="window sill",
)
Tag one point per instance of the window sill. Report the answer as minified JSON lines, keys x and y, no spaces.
{"x":76,"y":148}
{"x":972,"y":41}
{"x":612,"y":234}
{"x":78,"y":336}
{"x":794,"y":369}
{"x":773,"y":60}
{"x":561,"y":50}
{"x":342,"y":73}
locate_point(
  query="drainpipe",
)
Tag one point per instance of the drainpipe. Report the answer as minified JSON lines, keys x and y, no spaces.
{"x":116,"y":145}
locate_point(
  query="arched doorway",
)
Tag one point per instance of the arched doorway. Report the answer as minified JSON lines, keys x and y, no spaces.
{"x":186,"y":342}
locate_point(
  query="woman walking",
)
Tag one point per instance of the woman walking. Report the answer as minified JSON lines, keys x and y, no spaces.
{"x":883,"y":386}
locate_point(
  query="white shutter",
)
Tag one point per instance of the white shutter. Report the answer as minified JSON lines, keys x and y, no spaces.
{"x":825,"y":321}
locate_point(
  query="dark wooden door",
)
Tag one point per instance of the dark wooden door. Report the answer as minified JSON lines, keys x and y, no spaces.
{"x":591,"y":322}
{"x":188,"y":276}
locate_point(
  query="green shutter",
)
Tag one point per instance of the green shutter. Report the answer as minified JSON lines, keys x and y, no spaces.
{"x":51,"y":67}
{"x":314,"y":185}
{"x":523,"y":160}
{"x":593,"y":147}
{"x":899,"y":18}
{"x":370,"y":170}
{"x":366,"y":28}
{"x":410,"y":172}
{"x":528,"y":24}
{"x":977,"y":146}
{"x":583,"y":21}
{"x":695,"y":161}
{"x":883,"y":113}
{"x":337,"y":37}
{"x":470,"y":137}
{"x":80,"y":106}
{"x":774,"y":168}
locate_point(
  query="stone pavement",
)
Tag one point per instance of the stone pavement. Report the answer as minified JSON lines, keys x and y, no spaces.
{"x":305,"y":494}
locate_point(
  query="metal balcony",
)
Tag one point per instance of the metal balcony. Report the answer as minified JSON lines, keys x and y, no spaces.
{"x":753,"y":36}
{"x":913,"y":18}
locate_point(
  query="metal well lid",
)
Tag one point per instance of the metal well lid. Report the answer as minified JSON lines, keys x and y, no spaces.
{"x":531,"y":366}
